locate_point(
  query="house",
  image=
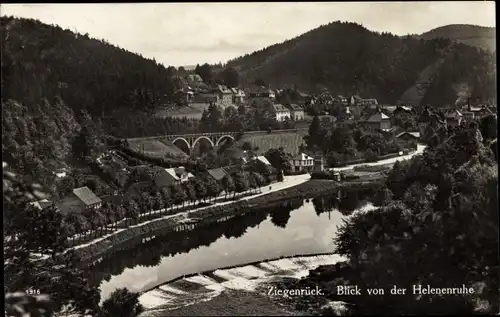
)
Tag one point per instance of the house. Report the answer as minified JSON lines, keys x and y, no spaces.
{"x":401,"y":109}
{"x":41,"y":204}
{"x":261,"y":165}
{"x":468,"y":116}
{"x":179,"y":174}
{"x":296,"y":112}
{"x":80,"y":200}
{"x":209,"y":97}
{"x":327,"y":120}
{"x":302,"y":98}
{"x":261,"y":93}
{"x":376,"y":121}
{"x":194,"y":78}
{"x":217,"y":173}
{"x":453,"y":118}
{"x":484,"y":111}
{"x":302,"y":162}
{"x":281,"y":112}
{"x":157,"y":177}
{"x":186,"y":94}
{"x":318,"y":164}
{"x":225,"y":95}
{"x":358,"y":101}
{"x":239,"y":96}
{"x":394,"y":131}
{"x":341,"y":99}
{"x":407,"y":136}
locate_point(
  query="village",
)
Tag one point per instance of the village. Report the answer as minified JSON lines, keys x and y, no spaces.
{"x":140,"y":182}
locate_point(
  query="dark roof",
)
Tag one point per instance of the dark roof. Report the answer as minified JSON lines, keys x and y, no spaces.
{"x":232,"y":169}
{"x":279,"y":107}
{"x":295,"y":107}
{"x":86,"y":195}
{"x":217,"y":173}
{"x":70,"y":204}
{"x":162,"y":178}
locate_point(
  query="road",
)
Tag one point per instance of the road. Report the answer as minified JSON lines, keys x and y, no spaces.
{"x":420,"y":150}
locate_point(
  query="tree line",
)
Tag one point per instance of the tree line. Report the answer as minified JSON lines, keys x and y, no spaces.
{"x":166,"y":200}
{"x":432,"y":214}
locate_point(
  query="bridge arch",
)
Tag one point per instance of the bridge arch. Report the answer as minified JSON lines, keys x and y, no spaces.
{"x":186,"y":143}
{"x":222,"y":138}
{"x":200,"y":138}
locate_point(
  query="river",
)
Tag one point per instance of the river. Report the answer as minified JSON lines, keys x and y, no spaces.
{"x":290,"y":228}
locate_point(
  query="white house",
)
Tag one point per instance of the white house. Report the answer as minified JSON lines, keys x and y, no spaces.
{"x":281,"y":112}
{"x":302,"y":162}
{"x":238,"y":96}
{"x":225,"y":95}
{"x":179,"y":174}
{"x":296,"y":112}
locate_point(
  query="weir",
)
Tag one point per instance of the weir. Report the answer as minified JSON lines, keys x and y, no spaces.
{"x":243,"y":277}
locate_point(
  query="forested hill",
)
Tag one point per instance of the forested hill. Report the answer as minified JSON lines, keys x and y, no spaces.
{"x":52,"y":79}
{"x":348,"y":59}
{"x":473,"y":35}
{"x":40,"y":62}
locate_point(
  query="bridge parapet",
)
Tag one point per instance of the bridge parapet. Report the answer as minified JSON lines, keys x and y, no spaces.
{"x":220,"y":134}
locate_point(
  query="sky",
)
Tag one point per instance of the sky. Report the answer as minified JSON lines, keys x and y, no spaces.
{"x":178,"y":34}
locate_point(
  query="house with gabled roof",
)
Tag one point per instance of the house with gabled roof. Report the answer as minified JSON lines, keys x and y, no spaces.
{"x":453,"y":118}
{"x":296,"y":112}
{"x":41,"y":204}
{"x":80,"y":200}
{"x":302,"y":162}
{"x":225,"y":95}
{"x":281,"y":112}
{"x":179,"y":174}
{"x":376,"y":121}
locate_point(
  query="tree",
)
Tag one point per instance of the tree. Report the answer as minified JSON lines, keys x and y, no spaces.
{"x":178,"y":195}
{"x":228,"y":184}
{"x":315,"y":135}
{"x":213,"y":188}
{"x":122,"y":303}
{"x":488,"y":127}
{"x":444,"y":216}
{"x":189,"y":189}
{"x":241,"y":182}
{"x":247,"y":146}
{"x":201,"y":189}
{"x":230,"y":77}
{"x":205,"y":72}
{"x":279,"y":159}
{"x":61,"y":280}
{"x":259,"y":82}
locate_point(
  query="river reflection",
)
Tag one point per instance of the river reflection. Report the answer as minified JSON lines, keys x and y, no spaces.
{"x":289,"y":228}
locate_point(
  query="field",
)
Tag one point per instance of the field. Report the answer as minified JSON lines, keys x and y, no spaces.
{"x":290,"y":142}
{"x":229,"y":303}
{"x":193,"y":111}
{"x":156,"y":148}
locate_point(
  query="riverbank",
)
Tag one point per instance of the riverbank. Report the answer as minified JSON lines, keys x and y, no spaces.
{"x":300,"y":187}
{"x":240,"y":290}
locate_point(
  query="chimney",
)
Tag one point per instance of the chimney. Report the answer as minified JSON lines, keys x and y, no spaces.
{"x":468,"y":104}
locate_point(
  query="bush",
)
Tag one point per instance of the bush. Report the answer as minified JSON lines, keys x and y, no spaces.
{"x":371,"y":156}
{"x":122,"y":303}
{"x":247,"y":146}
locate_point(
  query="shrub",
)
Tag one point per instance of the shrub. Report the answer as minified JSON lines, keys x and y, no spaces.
{"x":122,"y":303}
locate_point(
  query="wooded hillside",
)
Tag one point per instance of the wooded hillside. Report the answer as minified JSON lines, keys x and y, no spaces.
{"x":473,"y":35}
{"x":349,"y":59}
